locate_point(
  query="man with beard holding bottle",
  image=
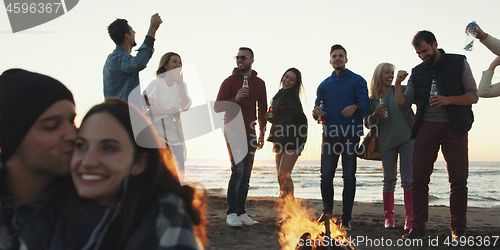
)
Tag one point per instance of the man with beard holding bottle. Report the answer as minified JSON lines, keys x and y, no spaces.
{"x":232,"y":99}
{"x":442,"y":121}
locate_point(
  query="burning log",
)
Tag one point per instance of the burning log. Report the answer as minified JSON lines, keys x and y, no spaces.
{"x":300,"y":231}
{"x":321,"y":244}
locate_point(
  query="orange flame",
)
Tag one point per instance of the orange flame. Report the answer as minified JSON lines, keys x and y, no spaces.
{"x":298,"y":220}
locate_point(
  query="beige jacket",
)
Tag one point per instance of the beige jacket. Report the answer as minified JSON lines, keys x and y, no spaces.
{"x":485,"y":88}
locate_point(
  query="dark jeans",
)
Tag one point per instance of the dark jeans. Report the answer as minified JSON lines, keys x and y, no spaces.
{"x":332,"y":148}
{"x":455,"y":151}
{"x":237,"y":189}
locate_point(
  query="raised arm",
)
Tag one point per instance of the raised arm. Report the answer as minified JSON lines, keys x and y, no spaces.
{"x":403,"y":99}
{"x":486,"y":89}
{"x":400,"y":98}
{"x":154,"y":25}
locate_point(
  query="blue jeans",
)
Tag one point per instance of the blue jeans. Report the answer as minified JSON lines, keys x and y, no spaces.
{"x":390,"y":166}
{"x":237,"y":189}
{"x":332,"y":148}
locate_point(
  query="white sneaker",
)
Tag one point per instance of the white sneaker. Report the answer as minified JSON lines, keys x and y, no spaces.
{"x":246,"y":220}
{"x":233,"y":221}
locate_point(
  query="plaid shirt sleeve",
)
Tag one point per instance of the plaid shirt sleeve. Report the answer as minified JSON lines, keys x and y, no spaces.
{"x":174,"y":226}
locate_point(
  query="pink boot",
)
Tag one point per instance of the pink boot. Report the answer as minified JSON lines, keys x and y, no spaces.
{"x":389,"y":209}
{"x":408,"y":210}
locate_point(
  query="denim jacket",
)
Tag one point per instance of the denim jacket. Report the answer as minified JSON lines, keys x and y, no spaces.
{"x":121,"y":70}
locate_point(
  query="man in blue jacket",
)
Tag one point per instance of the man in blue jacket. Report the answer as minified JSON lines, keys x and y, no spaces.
{"x":345,"y":98}
{"x":121,"y":70}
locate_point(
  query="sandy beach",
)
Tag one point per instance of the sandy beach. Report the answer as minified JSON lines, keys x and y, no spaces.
{"x":368,"y":230}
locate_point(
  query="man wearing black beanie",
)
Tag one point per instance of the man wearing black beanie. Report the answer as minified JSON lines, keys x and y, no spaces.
{"x":36,"y":140}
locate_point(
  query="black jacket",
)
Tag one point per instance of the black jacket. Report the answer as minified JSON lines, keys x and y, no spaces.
{"x":289,"y":120}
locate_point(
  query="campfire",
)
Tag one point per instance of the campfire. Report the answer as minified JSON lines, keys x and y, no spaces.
{"x":299,"y":229}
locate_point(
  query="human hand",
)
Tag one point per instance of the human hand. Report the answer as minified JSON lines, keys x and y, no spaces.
{"x":380,"y":111}
{"x":438,"y":101}
{"x":174,"y":75}
{"x":152,"y":102}
{"x":494,"y":64}
{"x":260,"y":141}
{"x":173,"y":111}
{"x":317,"y":112}
{"x":349,"y":110}
{"x":155,"y":21}
{"x":401,"y":76}
{"x":154,"y":25}
{"x":242,"y":93}
{"x":479,"y":32}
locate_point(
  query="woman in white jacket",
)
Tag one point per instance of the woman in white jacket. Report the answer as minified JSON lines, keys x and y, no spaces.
{"x":167,"y":97}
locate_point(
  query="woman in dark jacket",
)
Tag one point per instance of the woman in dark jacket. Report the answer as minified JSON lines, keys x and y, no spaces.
{"x":289,"y":130}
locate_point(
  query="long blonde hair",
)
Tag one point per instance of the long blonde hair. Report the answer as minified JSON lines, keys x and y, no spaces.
{"x":376,"y":79}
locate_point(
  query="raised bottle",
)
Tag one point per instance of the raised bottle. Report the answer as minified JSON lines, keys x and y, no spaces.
{"x":470,"y":36}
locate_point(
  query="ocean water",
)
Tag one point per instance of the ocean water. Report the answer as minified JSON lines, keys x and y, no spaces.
{"x":483,"y":182}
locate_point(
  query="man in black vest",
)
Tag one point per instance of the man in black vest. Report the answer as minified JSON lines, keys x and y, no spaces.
{"x":441,"y":120}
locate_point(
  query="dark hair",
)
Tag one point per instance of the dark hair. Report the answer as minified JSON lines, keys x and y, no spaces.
{"x":336,"y":47}
{"x":156,"y":181}
{"x":117,"y":30}
{"x":298,"y":82}
{"x":164,"y":60}
{"x":247,"y":49}
{"x":423,"y":35}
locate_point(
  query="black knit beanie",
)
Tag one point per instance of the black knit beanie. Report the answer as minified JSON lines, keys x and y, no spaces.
{"x":24,"y":96}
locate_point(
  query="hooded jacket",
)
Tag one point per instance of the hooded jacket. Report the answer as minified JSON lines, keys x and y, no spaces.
{"x":257,"y":96}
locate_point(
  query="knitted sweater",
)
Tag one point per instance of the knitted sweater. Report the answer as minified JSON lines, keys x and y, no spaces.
{"x":395,"y":130}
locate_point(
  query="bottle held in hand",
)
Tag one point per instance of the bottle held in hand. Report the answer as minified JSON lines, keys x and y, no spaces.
{"x":470,"y":36}
{"x":321,"y":118}
{"x":386,"y":114}
{"x":433,"y":88}
{"x":148,"y":99}
{"x":270,"y":114}
{"x":245,"y":85}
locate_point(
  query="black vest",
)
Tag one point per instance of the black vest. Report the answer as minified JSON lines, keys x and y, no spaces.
{"x":448,"y":73}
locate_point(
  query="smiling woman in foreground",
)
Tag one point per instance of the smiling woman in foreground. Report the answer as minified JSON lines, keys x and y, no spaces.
{"x":129,"y":194}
